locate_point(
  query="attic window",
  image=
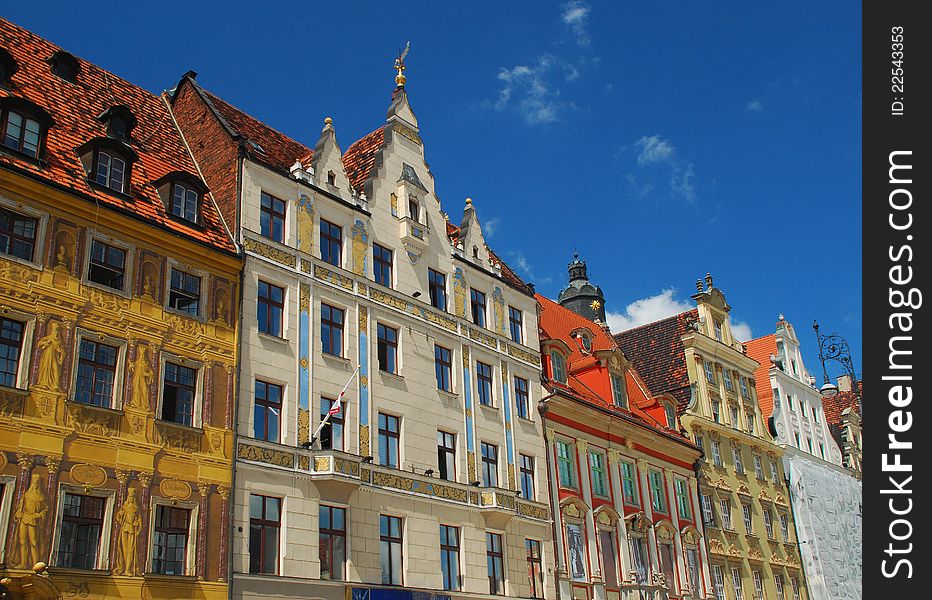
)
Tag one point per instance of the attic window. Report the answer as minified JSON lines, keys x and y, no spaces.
{"x":557,"y":366}
{"x":120,"y":122}
{"x":585,"y":341}
{"x":670,"y":412}
{"x":8,"y":67}
{"x":108,"y":163}
{"x":475,"y":251}
{"x":65,"y":66}
{"x":182,"y":193}
{"x":23,"y":126}
{"x":331,"y":178}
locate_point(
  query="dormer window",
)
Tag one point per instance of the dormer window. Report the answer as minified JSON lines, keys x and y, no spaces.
{"x":120,"y":122}
{"x":184,"y":202}
{"x":8,"y":67}
{"x":65,"y":66}
{"x":182,"y":192}
{"x":108,"y":163}
{"x":586,"y":342}
{"x":110,"y":170}
{"x":24,"y":125}
{"x":718,"y":329}
{"x":670,"y":412}
{"x":557,"y":366}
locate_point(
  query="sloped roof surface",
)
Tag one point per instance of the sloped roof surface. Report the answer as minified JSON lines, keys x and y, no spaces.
{"x":359,"y":158}
{"x":760,"y":350}
{"x":75,"y":109}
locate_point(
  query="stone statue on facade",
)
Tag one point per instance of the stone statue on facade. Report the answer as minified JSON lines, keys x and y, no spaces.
{"x":29,"y":517}
{"x":360,"y":247}
{"x":130,"y":523}
{"x":459,"y":293}
{"x":142,"y":377}
{"x":52,"y":349}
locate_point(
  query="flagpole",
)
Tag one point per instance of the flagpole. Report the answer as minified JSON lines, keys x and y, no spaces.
{"x":337,"y":403}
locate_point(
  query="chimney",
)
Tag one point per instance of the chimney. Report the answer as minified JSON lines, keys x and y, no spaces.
{"x":844,"y":383}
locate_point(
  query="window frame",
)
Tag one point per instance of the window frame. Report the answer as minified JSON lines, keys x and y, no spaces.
{"x":631,"y":498}
{"x":332,"y":533}
{"x":389,"y":435}
{"x":124,"y":270}
{"x":263,"y":523}
{"x":558,"y":366}
{"x":382,"y":268}
{"x":102,"y":555}
{"x":196,"y":389}
{"x":271,"y":218}
{"x":681,"y":495}
{"x":25,"y":116}
{"x":708,"y":511}
{"x":658,"y":495}
{"x":331,"y":246}
{"x":10,"y":345}
{"x":736,"y":458}
{"x":450,"y":558}
{"x":112,"y":155}
{"x":331,"y":344}
{"x":724,"y":505}
{"x":437,"y":289}
{"x":535,"y":562}
{"x":392,"y":540}
{"x":478,"y":305}
{"x":181,"y":293}
{"x":12,"y":237}
{"x":488,"y":454}
{"x":268,"y":406}
{"x":190,"y":534}
{"x":485,"y":384}
{"x":516,"y":324}
{"x":526,"y":476}
{"x":716,"y":448}
{"x":619,"y":390}
{"x":188,"y":190}
{"x":387,"y":347}
{"x":709,"y":372}
{"x":270,"y":306}
{"x":602,"y":490}
{"x":495,"y":562}
{"x":446,"y":455}
{"x":569,"y":461}
{"x":522,"y":397}
{"x":443,"y":368}
{"x":338,"y":419}
{"x":115,"y":369}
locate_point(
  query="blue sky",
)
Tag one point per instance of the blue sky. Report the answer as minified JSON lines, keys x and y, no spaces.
{"x":660,"y":140}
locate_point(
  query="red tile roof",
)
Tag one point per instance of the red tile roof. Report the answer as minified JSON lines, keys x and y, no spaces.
{"x":760,"y":350}
{"x":75,"y":108}
{"x":508,"y":274}
{"x":359,"y":158}
{"x":263,"y":143}
{"x":834,"y":407}
{"x":558,"y":323}
{"x":657,"y":352}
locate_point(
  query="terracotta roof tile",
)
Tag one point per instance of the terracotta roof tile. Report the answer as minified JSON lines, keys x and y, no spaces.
{"x":265,"y":144}
{"x":760,"y":350}
{"x":75,"y":108}
{"x":657,"y":352}
{"x":834,"y":407}
{"x":508,"y":274}
{"x":359,"y":158}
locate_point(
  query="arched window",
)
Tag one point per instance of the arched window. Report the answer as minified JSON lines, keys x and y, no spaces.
{"x":557,"y":366}
{"x":24,"y":126}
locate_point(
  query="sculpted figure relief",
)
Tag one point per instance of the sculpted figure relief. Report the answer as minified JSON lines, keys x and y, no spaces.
{"x":498,"y":304}
{"x":130,"y":523}
{"x":360,"y":247}
{"x":459,"y":292}
{"x":29,"y":517}
{"x":52,"y":352}
{"x":142,"y":377}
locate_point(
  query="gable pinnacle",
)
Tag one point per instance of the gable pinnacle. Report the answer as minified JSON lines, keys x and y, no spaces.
{"x":400,"y":66}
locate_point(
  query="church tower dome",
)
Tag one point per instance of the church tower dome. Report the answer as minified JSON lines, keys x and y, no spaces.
{"x":580,"y":296}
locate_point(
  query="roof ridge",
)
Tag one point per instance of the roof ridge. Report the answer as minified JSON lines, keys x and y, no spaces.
{"x":257,"y":120}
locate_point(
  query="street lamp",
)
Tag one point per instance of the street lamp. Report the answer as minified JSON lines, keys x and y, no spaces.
{"x":834,"y":347}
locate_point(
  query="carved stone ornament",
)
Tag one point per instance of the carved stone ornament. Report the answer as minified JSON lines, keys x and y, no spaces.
{"x":88,"y":476}
{"x":175,"y":489}
{"x":637,"y":522}
{"x":571,"y":510}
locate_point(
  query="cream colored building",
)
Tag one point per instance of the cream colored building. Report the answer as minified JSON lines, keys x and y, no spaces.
{"x":350,"y":262}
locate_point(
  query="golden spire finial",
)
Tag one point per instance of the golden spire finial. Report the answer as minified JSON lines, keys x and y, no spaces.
{"x":400,"y":66}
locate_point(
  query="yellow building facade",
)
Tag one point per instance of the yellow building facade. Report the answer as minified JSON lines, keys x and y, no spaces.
{"x":118,"y":301}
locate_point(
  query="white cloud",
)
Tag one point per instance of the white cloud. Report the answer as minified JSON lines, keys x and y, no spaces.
{"x":518,"y":261}
{"x":654,"y":149}
{"x":576,"y":16}
{"x":489,"y":227}
{"x":647,"y":310}
{"x":754,"y":106}
{"x":741,"y":331}
{"x":681,"y":182}
{"x":527,"y":89}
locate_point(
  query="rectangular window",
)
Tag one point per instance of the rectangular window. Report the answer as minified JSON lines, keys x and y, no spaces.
{"x":668,"y":565}
{"x":484,"y":383}
{"x":178,"y":391}
{"x":794,"y":583}
{"x":758,"y":586}
{"x":522,"y":399}
{"x":745,"y":391}
{"x":388,"y":349}
{"x":107,"y":265}
{"x":716,"y":453}
{"x":331,"y":330}
{"x":450,"y":557}
{"x":170,"y":542}
{"x":619,"y":392}
{"x":789,"y":401}
{"x":658,"y":499}
{"x":577,"y":551}
{"x":414,"y":209}
{"x":717,"y":411}
{"x":437,"y":286}
{"x":773,"y":471}
{"x":725,"y":507}
{"x":565,"y":466}
{"x":489,"y":465}
{"x":389,"y":437}
{"x":390,"y":540}
{"x":815,"y":414}
{"x":516,"y":325}
{"x":597,"y":468}
{"x":443,"y":368}
{"x":748,"y":524}
{"x":692,"y":565}
{"x":768,"y":522}
{"x":535,"y":568}
{"x":717,"y":325}
{"x":382,"y":265}
{"x":331,"y":436}
{"x":331,"y":243}
{"x":446,"y":455}
{"x":477,"y":305}
{"x":778,"y":582}
{"x":81,"y":525}
{"x":736,"y":582}
{"x":269,"y":308}
{"x":526,"y":472}
{"x":758,"y":468}
{"x":719,"y":582}
{"x":111,"y":171}
{"x":332,"y":542}
{"x":22,"y":134}
{"x":96,"y":374}
{"x":18,"y":235}
{"x":681,"y":489}
{"x":639,"y":556}
{"x":609,"y":562}
{"x":11,"y":347}
{"x":264,"y":527}
{"x":750,"y":419}
{"x":736,"y":456}
{"x":735,"y":420}
{"x":785,"y":526}
{"x":184,"y":202}
{"x":184,"y":293}
{"x":708,"y":515}
{"x":268,"y":411}
{"x":495,"y":559}
{"x":629,"y":484}
{"x":710,"y":372}
{"x":271,"y":218}
{"x":729,"y":384}
{"x":558,"y":366}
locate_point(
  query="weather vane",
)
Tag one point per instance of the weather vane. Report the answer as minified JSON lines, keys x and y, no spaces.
{"x":400,"y":65}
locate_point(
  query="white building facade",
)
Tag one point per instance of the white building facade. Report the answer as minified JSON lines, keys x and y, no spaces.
{"x":825,"y":495}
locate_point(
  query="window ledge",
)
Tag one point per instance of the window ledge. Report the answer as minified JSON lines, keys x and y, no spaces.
{"x":198,"y":317}
{"x":106,"y":288}
{"x":4,"y":149}
{"x":391,"y":375}
{"x":448,"y":395}
{"x":269,"y":336}
{"x":55,"y":570}
{"x":181,"y":426}
{"x":161,"y":577}
{"x":22,"y":261}
{"x":336,"y":358}
{"x":105,"y":410}
{"x":488,"y":406}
